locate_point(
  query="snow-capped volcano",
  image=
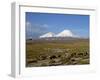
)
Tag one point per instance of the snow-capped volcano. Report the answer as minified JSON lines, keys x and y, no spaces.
{"x":64,"y":33}
{"x":49,"y":34}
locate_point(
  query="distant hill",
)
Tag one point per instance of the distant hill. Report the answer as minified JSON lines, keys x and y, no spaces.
{"x":64,"y":33}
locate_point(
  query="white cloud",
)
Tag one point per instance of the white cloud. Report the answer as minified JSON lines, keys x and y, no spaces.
{"x":45,"y":25}
{"x":35,"y":29}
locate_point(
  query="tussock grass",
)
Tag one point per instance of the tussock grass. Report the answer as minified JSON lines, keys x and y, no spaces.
{"x":62,"y":53}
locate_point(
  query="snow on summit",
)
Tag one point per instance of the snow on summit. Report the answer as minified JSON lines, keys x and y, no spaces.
{"x":49,"y":34}
{"x":64,"y":33}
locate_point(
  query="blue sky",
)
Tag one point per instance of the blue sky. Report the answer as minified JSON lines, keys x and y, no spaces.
{"x":40,"y":23}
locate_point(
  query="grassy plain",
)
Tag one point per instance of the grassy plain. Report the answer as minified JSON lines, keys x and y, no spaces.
{"x":55,"y":52}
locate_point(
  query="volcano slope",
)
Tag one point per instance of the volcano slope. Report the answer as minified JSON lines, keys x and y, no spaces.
{"x":56,"y":52}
